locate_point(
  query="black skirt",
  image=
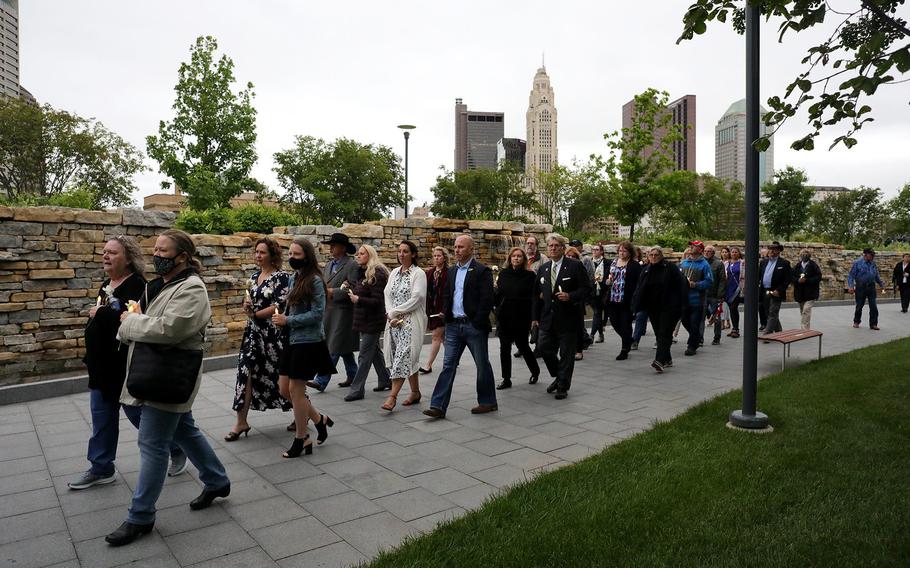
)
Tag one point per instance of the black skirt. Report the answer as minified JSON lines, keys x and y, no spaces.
{"x":304,"y":361}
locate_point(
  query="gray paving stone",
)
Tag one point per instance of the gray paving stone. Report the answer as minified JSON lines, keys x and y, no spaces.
{"x":181,"y":518}
{"x":209,"y":542}
{"x":370,"y":534}
{"x":502,"y":476}
{"x":377,"y":484}
{"x":69,"y":466}
{"x":28,"y":501}
{"x":469,"y":461}
{"x":250,"y":558}
{"x":442,"y":481}
{"x":288,"y":470}
{"x":38,"y":552}
{"x":31,"y":525}
{"x":96,"y":553}
{"x":543,"y":442}
{"x":574,"y":453}
{"x":258,"y":514}
{"x":430,"y":522}
{"x":414,"y":504}
{"x":312,"y":488}
{"x":383,"y":450}
{"x":410,"y":464}
{"x":527,"y":459}
{"x":493,"y":445}
{"x":24,"y":482}
{"x":293,"y":537}
{"x":96,"y":523}
{"x":338,"y":555}
{"x":255,"y":489}
{"x":22,"y":465}
{"x":342,"y":508}
{"x":472,"y":497}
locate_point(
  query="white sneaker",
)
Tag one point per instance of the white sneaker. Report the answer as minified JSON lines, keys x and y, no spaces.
{"x":177,"y":466}
{"x":89,"y":479}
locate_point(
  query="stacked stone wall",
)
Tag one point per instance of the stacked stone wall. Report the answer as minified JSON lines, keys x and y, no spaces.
{"x":50,"y":272}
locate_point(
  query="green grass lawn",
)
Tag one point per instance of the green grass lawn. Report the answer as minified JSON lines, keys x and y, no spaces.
{"x":829,"y":487}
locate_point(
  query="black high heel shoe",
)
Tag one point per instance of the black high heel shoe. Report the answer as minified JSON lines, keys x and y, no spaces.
{"x":234,"y":436}
{"x":322,"y":431}
{"x":299,"y":447}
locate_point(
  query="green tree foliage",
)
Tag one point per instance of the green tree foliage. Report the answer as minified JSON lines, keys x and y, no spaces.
{"x":899,"y":210}
{"x":699,"y":205}
{"x":340,"y":181}
{"x":572,"y":198}
{"x":47,"y":152}
{"x":787,"y":199}
{"x":865,"y":45}
{"x":208,"y":148}
{"x":638,"y":156}
{"x":854,"y":219}
{"x":496,"y":195}
{"x":224,"y":220}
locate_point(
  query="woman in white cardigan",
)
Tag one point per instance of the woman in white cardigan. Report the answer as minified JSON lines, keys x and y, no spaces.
{"x":405,"y":302}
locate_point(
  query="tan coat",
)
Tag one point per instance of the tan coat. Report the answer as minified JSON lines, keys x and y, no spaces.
{"x":177,"y":317}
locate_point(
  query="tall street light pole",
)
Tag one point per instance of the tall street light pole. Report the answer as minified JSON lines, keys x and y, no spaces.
{"x":748,"y":417}
{"x":407,"y":128}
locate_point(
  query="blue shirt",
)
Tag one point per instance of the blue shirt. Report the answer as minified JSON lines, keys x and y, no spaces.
{"x":863,"y":273}
{"x":769,"y":272}
{"x":461,"y":272}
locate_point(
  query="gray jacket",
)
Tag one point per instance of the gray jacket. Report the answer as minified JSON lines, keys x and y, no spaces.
{"x":339,"y":311}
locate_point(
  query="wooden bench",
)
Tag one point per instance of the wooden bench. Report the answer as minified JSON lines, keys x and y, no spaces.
{"x":790,"y":336}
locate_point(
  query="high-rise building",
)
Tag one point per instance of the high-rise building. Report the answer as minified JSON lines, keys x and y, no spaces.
{"x":730,"y":147}
{"x":683,"y":115}
{"x":9,"y":48}
{"x":476,"y":136}
{"x":511,"y":150}
{"x":542,"y":150}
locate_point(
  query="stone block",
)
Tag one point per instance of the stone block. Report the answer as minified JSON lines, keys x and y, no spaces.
{"x":12,"y":307}
{"x":235,"y":326}
{"x":98,"y":217}
{"x":69,"y":293}
{"x":58,"y":355}
{"x":205,"y":251}
{"x":20,"y":228}
{"x":48,"y":335}
{"x":513,"y":226}
{"x":539,"y":228}
{"x":157,"y":219}
{"x":29,"y":326}
{"x":61,"y":344}
{"x":77,"y":283}
{"x":362,"y":231}
{"x":42,"y":264}
{"x":199,"y":240}
{"x":41,"y":256}
{"x":21,"y":339}
{"x":297,"y":230}
{"x":76,"y":248}
{"x":56,"y":303}
{"x":10,"y":241}
{"x":51,"y":274}
{"x":212,"y":261}
{"x":326,"y":230}
{"x":87,"y":236}
{"x":6,"y":357}
{"x":236,"y":241}
{"x":443,"y":223}
{"x":60,"y":321}
{"x":74,"y":333}
{"x":44,"y":214}
{"x":6,"y":212}
{"x":26,"y":296}
{"x":13,"y":264}
{"x":391,"y":223}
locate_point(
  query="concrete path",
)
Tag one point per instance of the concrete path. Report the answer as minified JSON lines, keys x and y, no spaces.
{"x":379,"y":478}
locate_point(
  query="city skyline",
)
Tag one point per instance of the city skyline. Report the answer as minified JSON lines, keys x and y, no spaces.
{"x":313,"y":76}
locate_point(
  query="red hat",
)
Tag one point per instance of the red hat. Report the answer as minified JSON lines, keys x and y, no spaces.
{"x":697,"y":244}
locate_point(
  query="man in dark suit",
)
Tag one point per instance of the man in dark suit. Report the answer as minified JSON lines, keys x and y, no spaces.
{"x":901,"y":279}
{"x":469,"y":300}
{"x":807,"y":277}
{"x":560,"y":288}
{"x":773,"y":281}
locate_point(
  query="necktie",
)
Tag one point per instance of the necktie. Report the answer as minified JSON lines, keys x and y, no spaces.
{"x":334,"y":267}
{"x":553,"y":271}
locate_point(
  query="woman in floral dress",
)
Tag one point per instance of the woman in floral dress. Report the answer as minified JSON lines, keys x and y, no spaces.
{"x":405,"y":304}
{"x":257,"y":372}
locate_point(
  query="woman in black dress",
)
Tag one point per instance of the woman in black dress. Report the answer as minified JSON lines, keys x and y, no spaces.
{"x":436,"y":293}
{"x":513,"y":295}
{"x":260,"y":351}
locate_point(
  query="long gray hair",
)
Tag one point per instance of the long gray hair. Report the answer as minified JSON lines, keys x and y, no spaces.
{"x":134,"y":258}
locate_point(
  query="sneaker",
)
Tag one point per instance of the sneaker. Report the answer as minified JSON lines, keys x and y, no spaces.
{"x":634,"y":346}
{"x":89,"y":479}
{"x":690,"y":352}
{"x":177,"y":466}
{"x":715,"y":342}
{"x":657,"y":366}
{"x":668,"y":364}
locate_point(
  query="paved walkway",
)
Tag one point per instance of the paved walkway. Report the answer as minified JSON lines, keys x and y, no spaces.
{"x":379,"y":477}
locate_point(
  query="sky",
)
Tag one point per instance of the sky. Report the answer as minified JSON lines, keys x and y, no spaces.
{"x":357,"y":69}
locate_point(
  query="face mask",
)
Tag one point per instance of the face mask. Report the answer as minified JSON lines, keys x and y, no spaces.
{"x":164,"y":265}
{"x":804,"y":257}
{"x":297,"y":263}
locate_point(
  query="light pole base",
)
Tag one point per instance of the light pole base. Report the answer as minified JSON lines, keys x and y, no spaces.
{"x":757,"y":422}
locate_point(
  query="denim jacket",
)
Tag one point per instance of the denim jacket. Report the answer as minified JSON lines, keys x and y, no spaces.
{"x":305,"y":319}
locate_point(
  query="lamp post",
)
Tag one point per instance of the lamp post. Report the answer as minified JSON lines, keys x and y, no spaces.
{"x":748,"y":417}
{"x":407,"y":128}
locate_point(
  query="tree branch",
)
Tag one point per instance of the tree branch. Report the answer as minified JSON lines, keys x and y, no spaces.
{"x":881,"y":15}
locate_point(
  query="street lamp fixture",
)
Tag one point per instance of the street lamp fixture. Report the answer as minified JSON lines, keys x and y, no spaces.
{"x":407,"y":128}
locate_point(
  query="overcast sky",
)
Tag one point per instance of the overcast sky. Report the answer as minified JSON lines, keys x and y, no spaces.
{"x":357,"y":69}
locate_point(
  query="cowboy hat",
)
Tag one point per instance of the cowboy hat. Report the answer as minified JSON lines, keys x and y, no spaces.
{"x":341,"y":239}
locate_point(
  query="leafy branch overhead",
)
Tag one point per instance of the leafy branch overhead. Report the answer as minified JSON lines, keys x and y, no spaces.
{"x":868,"y":47}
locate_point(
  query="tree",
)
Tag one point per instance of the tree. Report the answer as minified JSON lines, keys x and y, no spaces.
{"x":47,"y":153}
{"x":899,"y":210}
{"x":638,"y":156}
{"x":495,"y":195}
{"x":208,"y":148}
{"x":699,"y":205}
{"x":866,"y":48}
{"x":786,"y":206}
{"x":341,"y":181}
{"x":851,"y":218}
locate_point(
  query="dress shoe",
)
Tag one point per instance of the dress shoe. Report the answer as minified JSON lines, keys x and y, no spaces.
{"x":127,"y":533}
{"x":315,"y":385}
{"x":345,"y":384}
{"x":690,"y":352}
{"x":206,"y":497}
{"x":381,"y":388}
{"x":353,"y":396}
{"x":552,"y":387}
{"x":505,"y":384}
{"x":623,"y":355}
{"x":533,"y":380}
{"x":484,"y":408}
{"x":561,"y":394}
{"x":875,"y":327}
{"x":600,"y":338}
{"x":434,"y":412}
{"x":856,"y":325}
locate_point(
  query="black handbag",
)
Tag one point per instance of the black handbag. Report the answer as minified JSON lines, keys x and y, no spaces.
{"x":163,"y":374}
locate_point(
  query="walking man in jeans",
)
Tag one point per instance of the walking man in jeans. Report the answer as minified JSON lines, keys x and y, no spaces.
{"x":861,"y":281}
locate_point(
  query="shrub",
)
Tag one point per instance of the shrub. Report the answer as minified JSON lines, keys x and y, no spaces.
{"x":211,"y":221}
{"x":262,"y":219}
{"x":78,"y":198}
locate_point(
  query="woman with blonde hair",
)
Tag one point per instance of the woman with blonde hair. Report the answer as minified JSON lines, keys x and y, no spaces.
{"x":367,"y":293}
{"x":436,"y":293}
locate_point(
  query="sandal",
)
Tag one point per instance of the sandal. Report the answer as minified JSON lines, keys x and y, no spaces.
{"x":234,"y":436}
{"x":299,"y":446}
{"x":411,"y":399}
{"x":423,"y":371}
{"x":387,"y":406}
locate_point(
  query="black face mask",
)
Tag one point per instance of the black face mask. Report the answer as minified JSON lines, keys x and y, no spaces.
{"x":297,"y":263}
{"x":164,"y":265}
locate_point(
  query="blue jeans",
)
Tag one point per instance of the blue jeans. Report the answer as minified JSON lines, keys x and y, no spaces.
{"x":692,"y":319}
{"x":459,"y":336}
{"x":866,"y":292}
{"x":350,"y":367}
{"x":157,"y":431}
{"x":102,"y":446}
{"x":641,"y":324}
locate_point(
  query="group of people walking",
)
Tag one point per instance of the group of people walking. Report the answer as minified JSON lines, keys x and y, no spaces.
{"x":356,"y":310}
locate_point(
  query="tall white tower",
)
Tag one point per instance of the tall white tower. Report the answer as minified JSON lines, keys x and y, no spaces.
{"x":541,"y":122}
